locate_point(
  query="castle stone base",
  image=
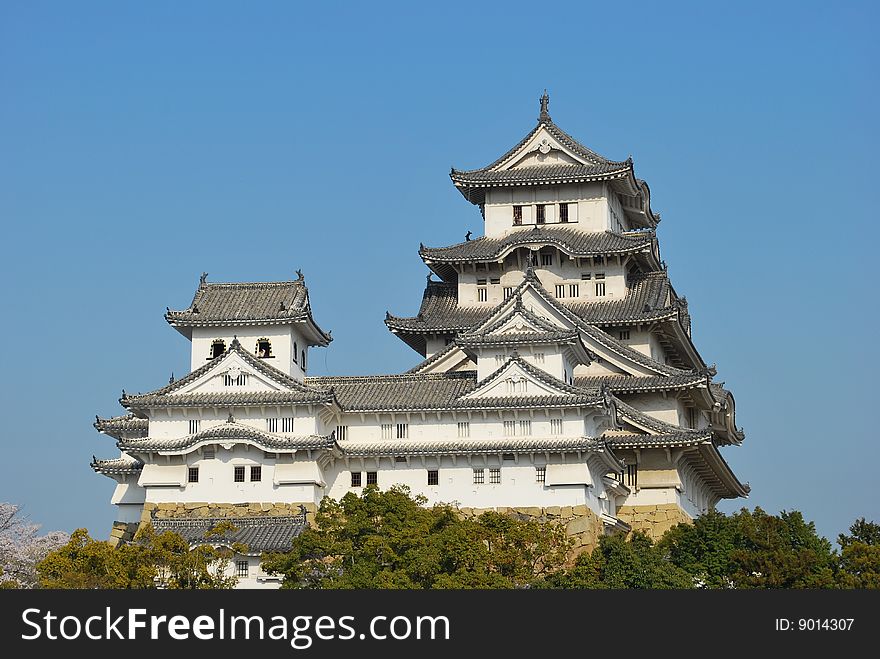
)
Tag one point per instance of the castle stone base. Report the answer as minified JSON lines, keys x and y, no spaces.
{"x":654,"y":521}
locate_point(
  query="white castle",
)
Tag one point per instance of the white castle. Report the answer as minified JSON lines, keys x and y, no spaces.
{"x":559,"y":381}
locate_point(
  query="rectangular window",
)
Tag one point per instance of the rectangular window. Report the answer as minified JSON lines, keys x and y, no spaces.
{"x":433,"y":477}
{"x":479,"y":476}
{"x":495,"y":476}
{"x":481,"y":282}
{"x":585,"y":276}
{"x":539,"y":357}
{"x":563,"y":212}
{"x":555,"y":426}
{"x":208,"y":452}
{"x":482,"y":295}
{"x":402,"y":430}
{"x":632,"y":475}
{"x":238,"y":474}
{"x":623,"y":335}
{"x":372,"y":478}
{"x":256,"y":474}
{"x":540,"y":214}
{"x":508,"y":457}
{"x":193,"y":426}
{"x":495,"y":280}
{"x":546,"y":259}
{"x":192,"y":475}
{"x":272,"y":424}
{"x":341,"y":433}
{"x":355,"y":479}
{"x":510,"y":428}
{"x":508,"y":292}
{"x":464,"y":429}
{"x":560,"y":290}
{"x":600,"y":289}
{"x":387,"y":431}
{"x":517,"y":215}
{"x":600,"y":275}
{"x":540,"y":474}
{"x":241,"y":568}
{"x":574,"y":290}
{"x":525,"y":427}
{"x":287,"y":424}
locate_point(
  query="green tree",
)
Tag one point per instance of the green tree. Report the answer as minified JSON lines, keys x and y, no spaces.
{"x":621,"y":563}
{"x":391,"y":540}
{"x":859,"y":564}
{"x":752,"y":549}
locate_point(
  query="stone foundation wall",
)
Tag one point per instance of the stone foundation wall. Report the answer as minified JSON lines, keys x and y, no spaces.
{"x":581,"y":523}
{"x":122,"y":532}
{"x":653,"y":520}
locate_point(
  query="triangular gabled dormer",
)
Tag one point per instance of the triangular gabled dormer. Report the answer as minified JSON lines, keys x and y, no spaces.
{"x":233,"y":377}
{"x":516,"y":378}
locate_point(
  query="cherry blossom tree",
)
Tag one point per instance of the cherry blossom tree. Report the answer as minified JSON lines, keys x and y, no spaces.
{"x":21,"y":547}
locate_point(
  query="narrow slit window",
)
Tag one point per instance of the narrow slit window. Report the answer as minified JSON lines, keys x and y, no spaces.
{"x":295,"y":351}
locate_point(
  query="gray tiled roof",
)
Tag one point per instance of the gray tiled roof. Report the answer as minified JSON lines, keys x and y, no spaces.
{"x":116,"y":466}
{"x":296,"y":391}
{"x":127,"y":425}
{"x":631,"y":385}
{"x":458,"y":446}
{"x":259,"y":533}
{"x":642,"y":419}
{"x":656,"y":441}
{"x":440,"y":313}
{"x":517,"y":338}
{"x":570,"y":240}
{"x":472,"y":183}
{"x":225,"y":432}
{"x":249,"y":303}
{"x":397,"y":392}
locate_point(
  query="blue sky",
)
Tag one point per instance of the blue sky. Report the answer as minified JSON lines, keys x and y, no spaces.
{"x":142,"y":143}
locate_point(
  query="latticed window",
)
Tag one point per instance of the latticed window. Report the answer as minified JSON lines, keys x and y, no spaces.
{"x":482,"y":295}
{"x":372,"y":478}
{"x":433,"y":477}
{"x":272,"y":424}
{"x":495,"y":280}
{"x":355,"y":479}
{"x":341,"y":433}
{"x":192,"y":475}
{"x":517,"y":215}
{"x":540,"y":214}
{"x":256,"y":474}
{"x":555,"y":426}
{"x":235,"y":380}
{"x":623,"y":335}
{"x":510,"y":428}
{"x":546,"y":259}
{"x":238,"y":474}
{"x":540,"y":474}
{"x":464,"y":429}
{"x":539,"y":357}
{"x":479,"y":476}
{"x":525,"y":427}
{"x":600,"y":289}
{"x":560,"y":290}
{"x":387,"y":431}
{"x":402,"y":430}
{"x":586,"y":276}
{"x":563,"y":212}
{"x":508,"y":292}
{"x":573,"y":290}
{"x":241,"y":568}
{"x":495,"y":475}
{"x":193,"y":426}
{"x":632,"y":475}
{"x":287,"y":424}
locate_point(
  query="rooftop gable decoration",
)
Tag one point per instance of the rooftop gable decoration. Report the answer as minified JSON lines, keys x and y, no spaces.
{"x":547,"y":155}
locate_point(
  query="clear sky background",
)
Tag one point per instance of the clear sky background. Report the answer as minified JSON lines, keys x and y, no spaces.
{"x":142,"y":143}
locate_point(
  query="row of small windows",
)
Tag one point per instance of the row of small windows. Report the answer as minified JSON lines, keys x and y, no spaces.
{"x":263,"y":350}
{"x":541,"y":213}
{"x":238,"y":474}
{"x":572,"y":290}
{"x":395,"y":430}
{"x":433,"y":476}
{"x":286,"y":424}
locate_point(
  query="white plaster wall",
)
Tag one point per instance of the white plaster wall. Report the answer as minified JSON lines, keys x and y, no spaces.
{"x":172,"y":423}
{"x":668,"y":409}
{"x":282,"y":337}
{"x":591,"y":212}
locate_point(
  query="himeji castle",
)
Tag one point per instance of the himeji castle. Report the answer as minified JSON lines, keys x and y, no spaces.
{"x":558,"y":381}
